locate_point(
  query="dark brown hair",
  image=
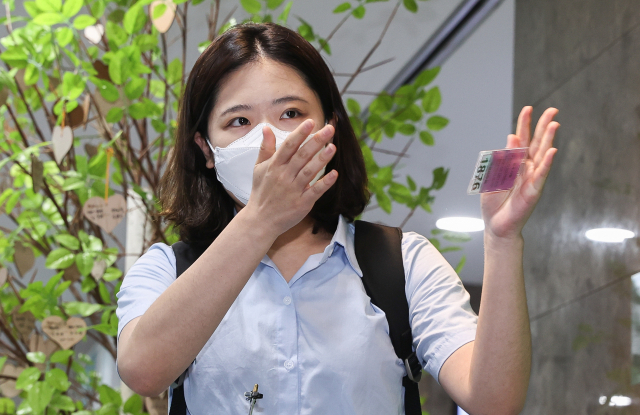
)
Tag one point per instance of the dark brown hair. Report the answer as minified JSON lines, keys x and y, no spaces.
{"x":192,"y":198}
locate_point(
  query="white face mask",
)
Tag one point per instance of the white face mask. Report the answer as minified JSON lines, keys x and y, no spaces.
{"x":234,"y":163}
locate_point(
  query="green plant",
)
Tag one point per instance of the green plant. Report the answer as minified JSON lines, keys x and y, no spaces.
{"x":106,"y":64}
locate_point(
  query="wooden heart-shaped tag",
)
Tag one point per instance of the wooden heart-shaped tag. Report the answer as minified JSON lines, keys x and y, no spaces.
{"x":37,"y":169}
{"x":90,"y":149}
{"x":4,"y":274}
{"x":24,"y":322}
{"x":8,"y":386}
{"x":106,"y":215}
{"x":98,"y":269}
{"x":76,"y":117}
{"x":66,"y":333}
{"x":71,"y":273}
{"x":62,"y":140}
{"x":163,"y":23}
{"x":23,"y":257}
{"x":37,"y":343}
{"x":94,"y":33}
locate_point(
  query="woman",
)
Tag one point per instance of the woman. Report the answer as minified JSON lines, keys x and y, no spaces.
{"x":276,"y":297}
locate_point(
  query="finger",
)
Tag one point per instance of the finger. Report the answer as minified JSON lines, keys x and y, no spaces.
{"x":513,"y":141}
{"x":311,"y":169}
{"x":268,"y":145}
{"x":523,"y":130}
{"x":546,"y":142}
{"x":541,"y":127}
{"x":309,"y":149}
{"x":542,"y":172}
{"x":293,"y":142}
{"x":313,"y":193}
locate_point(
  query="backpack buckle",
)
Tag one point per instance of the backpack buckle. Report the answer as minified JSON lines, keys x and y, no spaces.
{"x":413,"y":367}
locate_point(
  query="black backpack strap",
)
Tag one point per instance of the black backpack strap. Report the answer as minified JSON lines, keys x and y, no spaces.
{"x":379,"y":254}
{"x":185,"y":256}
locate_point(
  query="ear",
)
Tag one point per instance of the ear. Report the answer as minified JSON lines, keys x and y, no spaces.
{"x":201,"y":142}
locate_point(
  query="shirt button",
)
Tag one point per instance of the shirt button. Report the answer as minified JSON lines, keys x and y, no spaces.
{"x":286,"y":300}
{"x":288,"y":365}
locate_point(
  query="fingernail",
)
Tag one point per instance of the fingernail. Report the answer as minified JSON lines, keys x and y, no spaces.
{"x":307,"y":124}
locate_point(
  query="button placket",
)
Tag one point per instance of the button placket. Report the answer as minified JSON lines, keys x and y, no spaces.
{"x":287,"y":300}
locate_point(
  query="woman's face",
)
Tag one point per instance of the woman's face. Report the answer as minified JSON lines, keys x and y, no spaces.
{"x":264,"y":91}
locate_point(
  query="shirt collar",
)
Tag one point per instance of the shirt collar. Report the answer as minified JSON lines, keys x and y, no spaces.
{"x":344,"y":236}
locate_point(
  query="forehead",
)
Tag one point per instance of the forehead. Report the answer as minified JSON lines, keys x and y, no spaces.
{"x":261,"y":82}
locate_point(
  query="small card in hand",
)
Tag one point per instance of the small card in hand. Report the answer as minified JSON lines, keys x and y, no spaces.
{"x":496,"y":170}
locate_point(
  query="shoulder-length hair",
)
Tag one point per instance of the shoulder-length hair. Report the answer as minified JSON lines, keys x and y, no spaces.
{"x":192,"y":198}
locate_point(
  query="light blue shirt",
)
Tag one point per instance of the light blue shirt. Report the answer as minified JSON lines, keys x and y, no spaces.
{"x":315,"y":345}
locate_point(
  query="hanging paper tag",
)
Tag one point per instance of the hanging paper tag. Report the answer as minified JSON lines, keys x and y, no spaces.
{"x":496,"y":170}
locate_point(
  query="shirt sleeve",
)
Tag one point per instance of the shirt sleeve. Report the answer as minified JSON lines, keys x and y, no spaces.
{"x":145,"y":281}
{"x":440,"y":314}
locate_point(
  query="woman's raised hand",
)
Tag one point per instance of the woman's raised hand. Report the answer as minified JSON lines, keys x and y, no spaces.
{"x":506,"y":213}
{"x":281,"y":194}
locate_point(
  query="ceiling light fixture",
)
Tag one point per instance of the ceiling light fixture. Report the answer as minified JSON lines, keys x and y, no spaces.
{"x":609,"y":234}
{"x":460,"y":224}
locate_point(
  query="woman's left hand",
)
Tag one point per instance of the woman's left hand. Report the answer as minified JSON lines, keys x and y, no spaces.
{"x":505,"y":213}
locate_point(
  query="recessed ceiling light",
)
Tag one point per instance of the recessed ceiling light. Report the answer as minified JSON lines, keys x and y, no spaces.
{"x":609,"y":234}
{"x":460,"y":224}
{"x":616,"y":400}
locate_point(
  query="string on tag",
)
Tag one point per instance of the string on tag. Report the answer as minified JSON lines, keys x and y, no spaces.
{"x":106,"y":187}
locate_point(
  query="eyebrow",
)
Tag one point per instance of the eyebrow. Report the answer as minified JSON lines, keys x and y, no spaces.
{"x":245,"y":107}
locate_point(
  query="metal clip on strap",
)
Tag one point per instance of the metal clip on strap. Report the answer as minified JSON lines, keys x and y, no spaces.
{"x":413,"y":367}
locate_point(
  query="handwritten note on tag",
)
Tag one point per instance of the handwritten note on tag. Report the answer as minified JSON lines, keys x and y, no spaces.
{"x":107,"y":215}
{"x":66,"y":333}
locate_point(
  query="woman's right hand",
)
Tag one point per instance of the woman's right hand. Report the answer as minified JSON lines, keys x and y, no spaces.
{"x":281,"y":195}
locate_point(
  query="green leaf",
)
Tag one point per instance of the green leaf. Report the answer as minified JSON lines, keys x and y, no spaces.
{"x":382,"y":103}
{"x":407,"y":129}
{"x":251,"y":6}
{"x":59,"y":258}
{"x":28,"y":377}
{"x":353,"y":106}
{"x":342,"y":7}
{"x":135,"y":18}
{"x":31,"y":74}
{"x":460,"y":265}
{"x":306,"y":31}
{"x":427,"y":138}
{"x":432,"y":100}
{"x":71,"y":8}
{"x":31,"y":8}
{"x":83,"y":21}
{"x":383,"y":201}
{"x":57,"y":379}
{"x":115,"y":33}
{"x":49,"y":5}
{"x":358,"y":12}
{"x":61,"y":356}
{"x":63,"y":403}
{"x":159,"y":10}
{"x":427,"y":76}
{"x":109,"y":395}
{"x":79,"y":307}
{"x":274,"y":4}
{"x":7,"y":406}
{"x":111,"y":274}
{"x":282,"y":19}
{"x":84,"y":262}
{"x":133,"y":404}
{"x":64,"y":35}
{"x":456,"y":237}
{"x":411,"y":183}
{"x":36,"y":357}
{"x":437,"y":123}
{"x":400,"y":193}
{"x":68,"y":241}
{"x":108,"y":91}
{"x":174,"y":71}
{"x":104,"y":293}
{"x":15,"y":57}
{"x":115,"y":69}
{"x":39,"y":397}
{"x":410,"y":5}
{"x":144,"y":109}
{"x":439,"y":177}
{"x":48,"y":19}
{"x":114,"y":115}
{"x":3,"y":360}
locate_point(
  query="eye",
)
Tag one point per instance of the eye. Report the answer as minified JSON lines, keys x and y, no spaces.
{"x":291,"y":114}
{"x":239,"y":122}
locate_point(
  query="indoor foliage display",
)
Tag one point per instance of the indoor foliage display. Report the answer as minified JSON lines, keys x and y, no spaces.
{"x":89,"y":92}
